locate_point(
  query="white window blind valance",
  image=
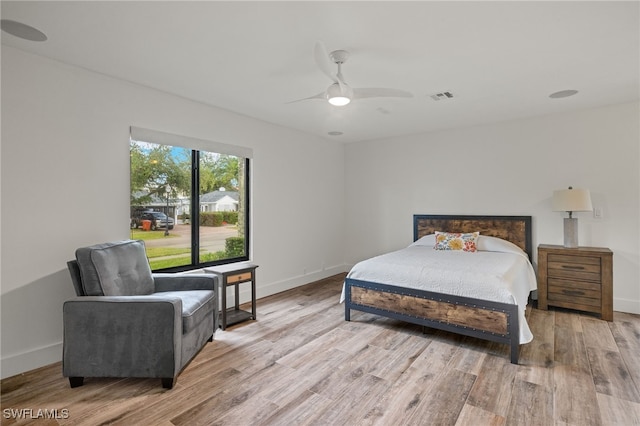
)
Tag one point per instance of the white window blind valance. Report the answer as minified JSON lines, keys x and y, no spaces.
{"x":153,"y":136}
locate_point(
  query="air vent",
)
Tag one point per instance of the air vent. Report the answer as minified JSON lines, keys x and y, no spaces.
{"x":442,"y":96}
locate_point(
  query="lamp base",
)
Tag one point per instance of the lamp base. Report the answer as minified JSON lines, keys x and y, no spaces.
{"x":570,"y":232}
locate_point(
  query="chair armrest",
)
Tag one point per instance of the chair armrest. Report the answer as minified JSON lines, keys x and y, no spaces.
{"x":178,"y":282}
{"x":137,"y":336}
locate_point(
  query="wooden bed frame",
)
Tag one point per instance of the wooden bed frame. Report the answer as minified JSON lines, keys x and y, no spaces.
{"x":484,"y":319}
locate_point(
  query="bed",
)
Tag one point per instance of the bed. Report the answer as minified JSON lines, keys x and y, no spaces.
{"x":388,"y":285}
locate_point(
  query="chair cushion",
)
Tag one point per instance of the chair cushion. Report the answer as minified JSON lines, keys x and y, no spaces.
{"x":115,"y":269}
{"x":196,"y":306}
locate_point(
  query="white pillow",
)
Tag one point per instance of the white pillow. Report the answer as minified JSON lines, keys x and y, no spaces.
{"x":486,"y":243}
{"x":427,"y":240}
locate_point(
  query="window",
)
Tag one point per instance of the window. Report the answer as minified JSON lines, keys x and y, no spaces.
{"x":188,"y":204}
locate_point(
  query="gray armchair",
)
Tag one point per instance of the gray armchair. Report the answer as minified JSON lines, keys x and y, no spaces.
{"x":129,"y":322}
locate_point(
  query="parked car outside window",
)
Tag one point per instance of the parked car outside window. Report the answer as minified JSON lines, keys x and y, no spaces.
{"x":158,"y":220}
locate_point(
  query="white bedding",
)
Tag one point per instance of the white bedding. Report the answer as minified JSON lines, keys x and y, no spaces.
{"x":499,"y":271}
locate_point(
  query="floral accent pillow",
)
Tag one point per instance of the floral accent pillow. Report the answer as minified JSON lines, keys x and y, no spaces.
{"x":456,"y":241}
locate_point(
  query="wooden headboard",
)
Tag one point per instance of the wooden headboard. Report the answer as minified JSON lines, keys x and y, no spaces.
{"x":516,"y":229}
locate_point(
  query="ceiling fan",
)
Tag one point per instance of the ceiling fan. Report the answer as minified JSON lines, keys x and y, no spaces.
{"x":340,"y":93}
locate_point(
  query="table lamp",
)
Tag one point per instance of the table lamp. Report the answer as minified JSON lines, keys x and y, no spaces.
{"x":571,"y":200}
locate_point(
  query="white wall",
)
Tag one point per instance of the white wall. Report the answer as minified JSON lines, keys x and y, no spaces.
{"x":65,"y":184}
{"x":507,"y":168}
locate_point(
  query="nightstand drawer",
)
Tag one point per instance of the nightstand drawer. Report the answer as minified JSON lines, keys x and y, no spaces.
{"x":581,"y":260}
{"x":574,"y":267}
{"x":245,"y":276}
{"x":574,"y":291}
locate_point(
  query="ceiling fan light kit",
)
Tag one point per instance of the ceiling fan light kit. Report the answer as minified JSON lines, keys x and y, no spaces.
{"x":339,"y":100}
{"x":339,"y":95}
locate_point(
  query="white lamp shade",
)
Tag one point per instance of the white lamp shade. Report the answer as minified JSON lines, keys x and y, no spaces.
{"x":572,"y":200}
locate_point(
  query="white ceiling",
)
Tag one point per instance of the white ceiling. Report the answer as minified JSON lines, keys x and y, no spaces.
{"x":501,"y":60}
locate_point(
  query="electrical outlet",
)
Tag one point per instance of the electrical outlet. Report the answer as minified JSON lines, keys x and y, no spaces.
{"x":597,"y":212}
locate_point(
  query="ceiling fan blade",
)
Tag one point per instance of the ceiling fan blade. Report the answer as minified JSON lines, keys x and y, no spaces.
{"x":318,"y":96}
{"x":372,"y":92}
{"x":324,"y":63}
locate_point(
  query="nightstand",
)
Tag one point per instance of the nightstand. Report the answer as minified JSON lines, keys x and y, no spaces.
{"x":235,"y":274}
{"x":578,"y":278}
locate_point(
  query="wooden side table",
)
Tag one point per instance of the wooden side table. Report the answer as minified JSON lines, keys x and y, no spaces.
{"x":235,"y":274}
{"x":578,"y":278}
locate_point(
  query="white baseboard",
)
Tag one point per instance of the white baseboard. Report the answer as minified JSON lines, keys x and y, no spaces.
{"x":626,"y":305}
{"x":32,"y":359}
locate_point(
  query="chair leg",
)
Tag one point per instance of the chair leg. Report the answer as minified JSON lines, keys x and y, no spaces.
{"x":210,"y":339}
{"x":75,"y":382}
{"x":168,"y":382}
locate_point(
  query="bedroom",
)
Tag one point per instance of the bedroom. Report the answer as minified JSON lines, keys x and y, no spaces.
{"x":64,"y":151}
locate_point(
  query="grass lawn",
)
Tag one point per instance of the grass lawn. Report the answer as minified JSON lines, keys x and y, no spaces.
{"x":153,"y":252}
{"x":168,"y":257}
{"x":138,"y":234}
{"x":169,"y":262}
{"x":162,"y":257}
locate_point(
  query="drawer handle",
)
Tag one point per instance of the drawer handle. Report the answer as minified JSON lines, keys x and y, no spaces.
{"x":573,"y":267}
{"x":239,"y":277}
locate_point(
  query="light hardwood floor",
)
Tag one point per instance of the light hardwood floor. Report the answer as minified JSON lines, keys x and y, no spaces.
{"x":301,"y":363}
